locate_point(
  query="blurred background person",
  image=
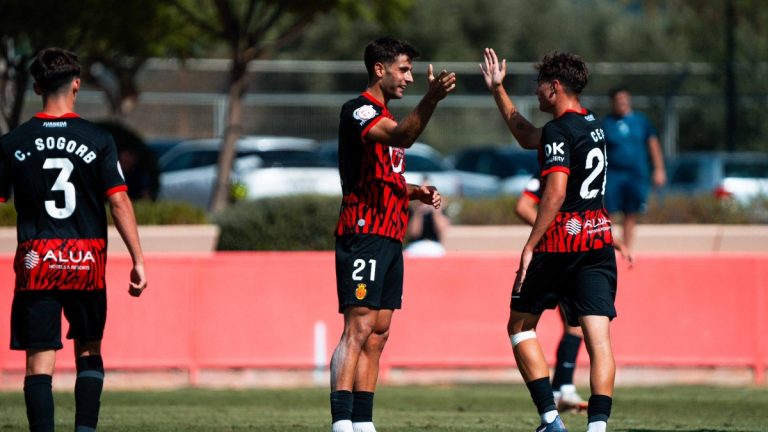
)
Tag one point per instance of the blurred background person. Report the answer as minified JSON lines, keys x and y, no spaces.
{"x":636,"y":162}
{"x":426,"y":229}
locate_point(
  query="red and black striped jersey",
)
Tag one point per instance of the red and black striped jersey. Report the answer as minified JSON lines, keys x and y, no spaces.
{"x":375,"y":197}
{"x":574,"y":143}
{"x":60,"y":169}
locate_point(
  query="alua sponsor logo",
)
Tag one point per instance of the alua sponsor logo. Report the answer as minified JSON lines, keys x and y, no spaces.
{"x":69,"y":256}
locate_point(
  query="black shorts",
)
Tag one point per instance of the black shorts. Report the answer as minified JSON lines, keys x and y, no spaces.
{"x":583,"y":283}
{"x":36,"y":317}
{"x":369,"y":271}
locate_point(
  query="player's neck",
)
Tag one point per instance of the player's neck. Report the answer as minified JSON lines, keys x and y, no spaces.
{"x":57,"y":106}
{"x":567,"y":105}
{"x":377,"y":94}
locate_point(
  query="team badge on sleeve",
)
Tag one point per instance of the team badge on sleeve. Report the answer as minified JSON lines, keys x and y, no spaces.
{"x":364,"y":113}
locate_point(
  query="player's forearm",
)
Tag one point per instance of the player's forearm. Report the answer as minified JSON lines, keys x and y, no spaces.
{"x":125,"y":222}
{"x":524,"y":131}
{"x":409,"y":129}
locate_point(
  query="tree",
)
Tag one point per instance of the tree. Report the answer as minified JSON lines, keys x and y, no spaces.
{"x":256,"y":29}
{"x":113,"y":39}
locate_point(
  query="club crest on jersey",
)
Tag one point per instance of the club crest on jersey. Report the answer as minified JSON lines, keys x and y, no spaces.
{"x":361,"y":291}
{"x":573,"y":226}
{"x":397,"y":156}
{"x":364,"y":113}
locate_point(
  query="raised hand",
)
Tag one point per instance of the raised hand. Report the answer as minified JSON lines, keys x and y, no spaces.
{"x":493,"y":72}
{"x":440,"y":86}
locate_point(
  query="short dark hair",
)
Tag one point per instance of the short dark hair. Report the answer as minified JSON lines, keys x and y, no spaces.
{"x":53,"y":68}
{"x":616,"y":90}
{"x":385,"y":50}
{"x":567,"y":68}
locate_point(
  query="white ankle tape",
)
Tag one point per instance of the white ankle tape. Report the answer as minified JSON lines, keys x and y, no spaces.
{"x":519,"y":337}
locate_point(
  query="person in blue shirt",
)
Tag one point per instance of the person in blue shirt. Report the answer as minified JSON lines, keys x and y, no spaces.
{"x":636,"y":159}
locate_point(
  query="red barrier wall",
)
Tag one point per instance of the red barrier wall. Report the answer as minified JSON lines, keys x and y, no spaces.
{"x":258,"y":310}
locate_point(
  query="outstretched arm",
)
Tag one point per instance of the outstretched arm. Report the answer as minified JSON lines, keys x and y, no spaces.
{"x":528,"y":135}
{"x":125,"y":222}
{"x":405,"y":133}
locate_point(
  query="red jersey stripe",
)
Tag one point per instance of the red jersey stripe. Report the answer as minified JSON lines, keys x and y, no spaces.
{"x":556,"y":169}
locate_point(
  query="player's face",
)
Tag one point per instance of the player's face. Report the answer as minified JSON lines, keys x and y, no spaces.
{"x":546,"y":93}
{"x":397,"y":76}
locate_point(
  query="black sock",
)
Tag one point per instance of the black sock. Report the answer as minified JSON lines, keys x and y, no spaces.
{"x":362,"y":407}
{"x":567,"y":351}
{"x":341,"y":405}
{"x":541,"y":392}
{"x":88,"y":386}
{"x":599,"y":408}
{"x":38,"y":395}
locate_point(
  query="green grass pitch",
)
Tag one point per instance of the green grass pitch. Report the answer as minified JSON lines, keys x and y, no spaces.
{"x":469,"y":408}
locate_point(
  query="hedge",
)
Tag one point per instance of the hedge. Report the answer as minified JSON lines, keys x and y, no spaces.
{"x":147,"y":213}
{"x":304,"y":222}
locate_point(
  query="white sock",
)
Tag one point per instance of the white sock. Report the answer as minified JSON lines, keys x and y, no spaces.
{"x":598,"y":426}
{"x":363,"y":427}
{"x":549,"y":416}
{"x":568,"y":388}
{"x":342,"y":426}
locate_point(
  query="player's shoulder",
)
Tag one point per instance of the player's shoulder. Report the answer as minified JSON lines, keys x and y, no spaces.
{"x":362,"y":108}
{"x":19,"y":132}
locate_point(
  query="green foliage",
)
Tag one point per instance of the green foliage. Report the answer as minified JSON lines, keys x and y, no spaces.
{"x":286,"y":223}
{"x":168,"y":213}
{"x":147,"y":213}
{"x":7,"y":214}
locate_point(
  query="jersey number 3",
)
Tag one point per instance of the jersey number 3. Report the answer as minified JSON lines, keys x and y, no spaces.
{"x":61,"y":184}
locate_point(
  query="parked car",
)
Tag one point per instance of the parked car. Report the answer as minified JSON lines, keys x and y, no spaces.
{"x":742,"y":176}
{"x":264,"y":166}
{"x":511,"y":166}
{"x":423,"y":162}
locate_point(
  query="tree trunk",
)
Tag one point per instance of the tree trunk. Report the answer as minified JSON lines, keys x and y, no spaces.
{"x":231,"y":134}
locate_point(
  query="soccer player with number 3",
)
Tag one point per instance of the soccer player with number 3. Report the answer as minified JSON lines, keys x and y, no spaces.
{"x":569,"y":257}
{"x":61,"y":168}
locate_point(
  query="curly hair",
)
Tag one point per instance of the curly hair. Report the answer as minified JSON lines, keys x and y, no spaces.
{"x":53,"y":68}
{"x":386,"y":50}
{"x":567,"y":68}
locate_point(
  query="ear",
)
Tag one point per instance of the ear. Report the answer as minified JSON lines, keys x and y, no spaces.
{"x":38,"y":90}
{"x":379,"y":69}
{"x":76,"y":85}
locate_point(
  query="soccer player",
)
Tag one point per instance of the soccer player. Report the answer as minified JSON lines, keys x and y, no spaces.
{"x":566,"y":396}
{"x":373,"y":220}
{"x":569,"y":257}
{"x":61,"y":167}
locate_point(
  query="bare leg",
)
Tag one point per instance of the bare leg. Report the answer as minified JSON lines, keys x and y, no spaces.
{"x":528,"y":354}
{"x":359,"y":323}
{"x":368,"y":362}
{"x":597,"y":337}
